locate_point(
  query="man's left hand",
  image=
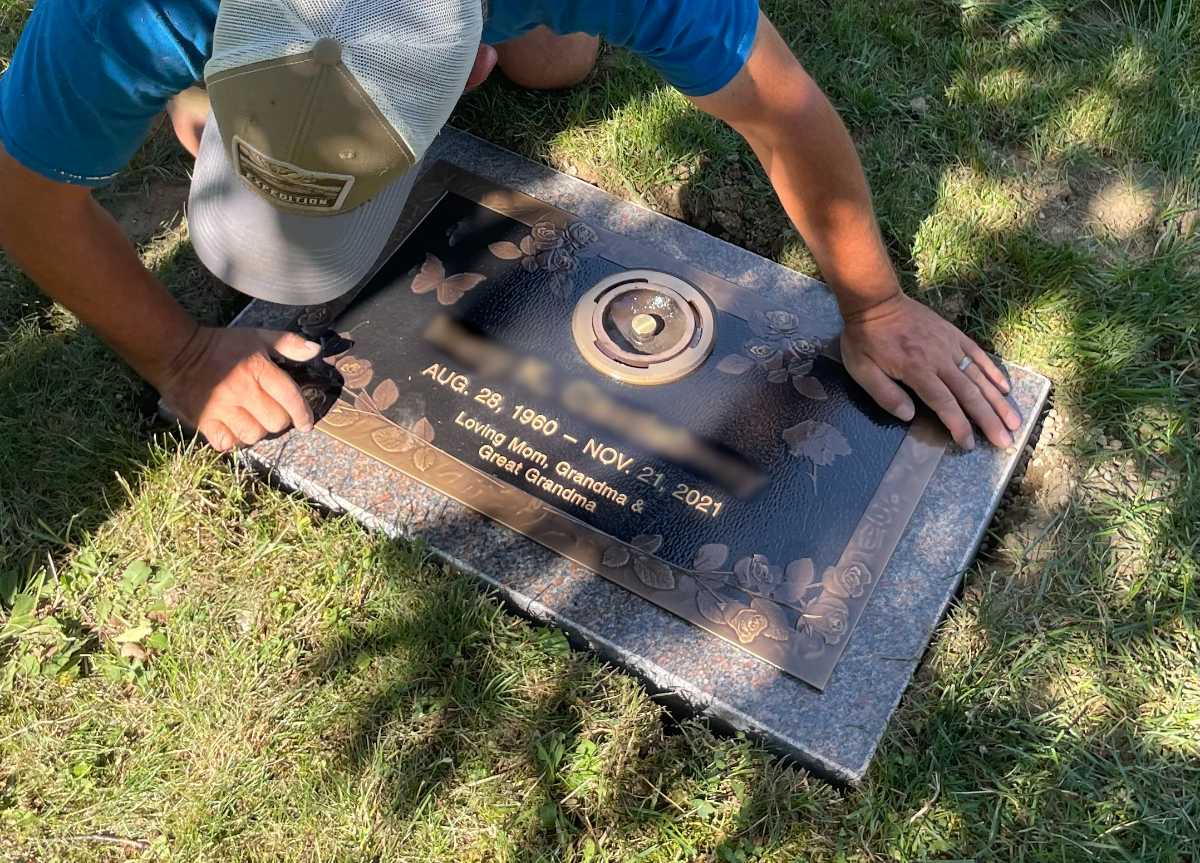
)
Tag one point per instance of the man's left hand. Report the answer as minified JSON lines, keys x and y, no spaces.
{"x":903,"y":341}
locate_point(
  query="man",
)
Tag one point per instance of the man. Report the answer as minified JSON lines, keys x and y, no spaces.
{"x":89,"y":76}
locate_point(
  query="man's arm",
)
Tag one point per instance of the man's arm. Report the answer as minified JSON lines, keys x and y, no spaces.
{"x":221,"y":381}
{"x":889,"y":337}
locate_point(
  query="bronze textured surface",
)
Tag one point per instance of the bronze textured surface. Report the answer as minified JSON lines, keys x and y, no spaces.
{"x":760,"y":496}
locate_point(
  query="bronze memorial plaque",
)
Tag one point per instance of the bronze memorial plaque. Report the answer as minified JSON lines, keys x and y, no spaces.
{"x":666,"y":429}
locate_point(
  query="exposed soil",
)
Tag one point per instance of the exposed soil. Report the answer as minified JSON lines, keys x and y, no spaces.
{"x":719,"y":204}
{"x":145,"y":212}
{"x":1095,"y":206}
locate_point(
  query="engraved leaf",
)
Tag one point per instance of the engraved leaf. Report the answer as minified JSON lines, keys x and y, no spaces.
{"x":424,"y":459}
{"x":451,"y":290}
{"x":340,"y":416}
{"x":810,"y":387}
{"x":527,"y":246}
{"x":385,"y":394}
{"x":710,"y":557}
{"x":505,"y":250}
{"x":615,"y":555}
{"x":647,"y":542}
{"x":799,"y":368}
{"x":423,"y":429}
{"x":654,"y":573}
{"x":777,"y":625}
{"x":392,"y":439}
{"x":777,"y":376}
{"x":817,"y":441}
{"x":735,"y":364}
{"x":798,"y":577}
{"x":710,"y":607}
{"x":431,"y":275}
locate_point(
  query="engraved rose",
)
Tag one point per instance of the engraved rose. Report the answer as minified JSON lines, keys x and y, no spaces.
{"x":548,"y":249}
{"x":826,"y":616}
{"x":580,"y":234}
{"x":313,"y":316}
{"x":748,"y":624}
{"x":357,"y":372}
{"x":804,"y":349}
{"x":756,"y":573}
{"x":545,"y":236}
{"x":556,"y":260}
{"x":762,"y":350}
{"x":314,"y":395}
{"x":782,"y":323}
{"x":849,"y":581}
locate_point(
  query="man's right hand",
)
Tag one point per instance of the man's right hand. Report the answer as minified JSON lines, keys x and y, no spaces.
{"x":225,"y":384}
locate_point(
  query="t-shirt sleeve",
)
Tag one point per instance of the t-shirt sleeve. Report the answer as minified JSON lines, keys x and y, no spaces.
{"x":74,"y":109}
{"x":697,"y":46}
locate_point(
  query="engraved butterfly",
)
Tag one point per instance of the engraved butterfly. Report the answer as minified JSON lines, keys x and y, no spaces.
{"x":432,"y":277}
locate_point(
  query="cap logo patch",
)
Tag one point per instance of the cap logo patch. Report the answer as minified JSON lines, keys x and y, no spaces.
{"x":288,"y":185}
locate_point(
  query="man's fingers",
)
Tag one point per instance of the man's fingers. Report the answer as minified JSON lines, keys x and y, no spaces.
{"x":290,"y":345}
{"x":269,"y":413}
{"x":1007,"y":413}
{"x":218,"y":435}
{"x":244,"y":426}
{"x":278,"y":385}
{"x":933,"y":391}
{"x":485,"y":62}
{"x":978,"y":408}
{"x":885,"y":391}
{"x":985,"y":364}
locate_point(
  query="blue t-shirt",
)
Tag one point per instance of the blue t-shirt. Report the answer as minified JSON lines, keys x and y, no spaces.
{"x":89,"y":76}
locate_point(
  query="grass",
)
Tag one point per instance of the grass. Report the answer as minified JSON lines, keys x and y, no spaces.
{"x":194,"y":666}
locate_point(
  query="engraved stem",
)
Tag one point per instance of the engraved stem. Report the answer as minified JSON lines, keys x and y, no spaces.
{"x":701,"y":576}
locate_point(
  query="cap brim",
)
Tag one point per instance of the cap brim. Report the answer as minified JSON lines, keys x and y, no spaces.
{"x":276,"y":255}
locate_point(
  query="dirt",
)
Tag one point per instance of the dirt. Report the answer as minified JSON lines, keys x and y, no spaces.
{"x":1123,"y":207}
{"x":719,"y":204}
{"x":1036,"y":501}
{"x":149,"y":211}
{"x":1097,"y":206}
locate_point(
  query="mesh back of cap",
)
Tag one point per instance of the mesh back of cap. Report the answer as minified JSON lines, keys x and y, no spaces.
{"x":412,"y":57}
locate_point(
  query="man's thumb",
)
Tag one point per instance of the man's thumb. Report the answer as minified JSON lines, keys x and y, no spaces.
{"x":290,"y":346}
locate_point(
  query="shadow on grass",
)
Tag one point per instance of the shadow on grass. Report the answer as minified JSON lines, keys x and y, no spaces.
{"x":74,"y":434}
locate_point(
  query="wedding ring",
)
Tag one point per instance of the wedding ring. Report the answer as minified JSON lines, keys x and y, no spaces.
{"x":964,"y":363}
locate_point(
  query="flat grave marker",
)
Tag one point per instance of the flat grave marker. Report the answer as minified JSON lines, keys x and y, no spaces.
{"x":644,"y":435}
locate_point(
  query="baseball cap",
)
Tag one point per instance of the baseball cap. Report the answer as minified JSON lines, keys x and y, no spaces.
{"x":321,"y":113}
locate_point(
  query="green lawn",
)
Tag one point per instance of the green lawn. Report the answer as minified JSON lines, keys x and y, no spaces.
{"x":194,"y":666}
